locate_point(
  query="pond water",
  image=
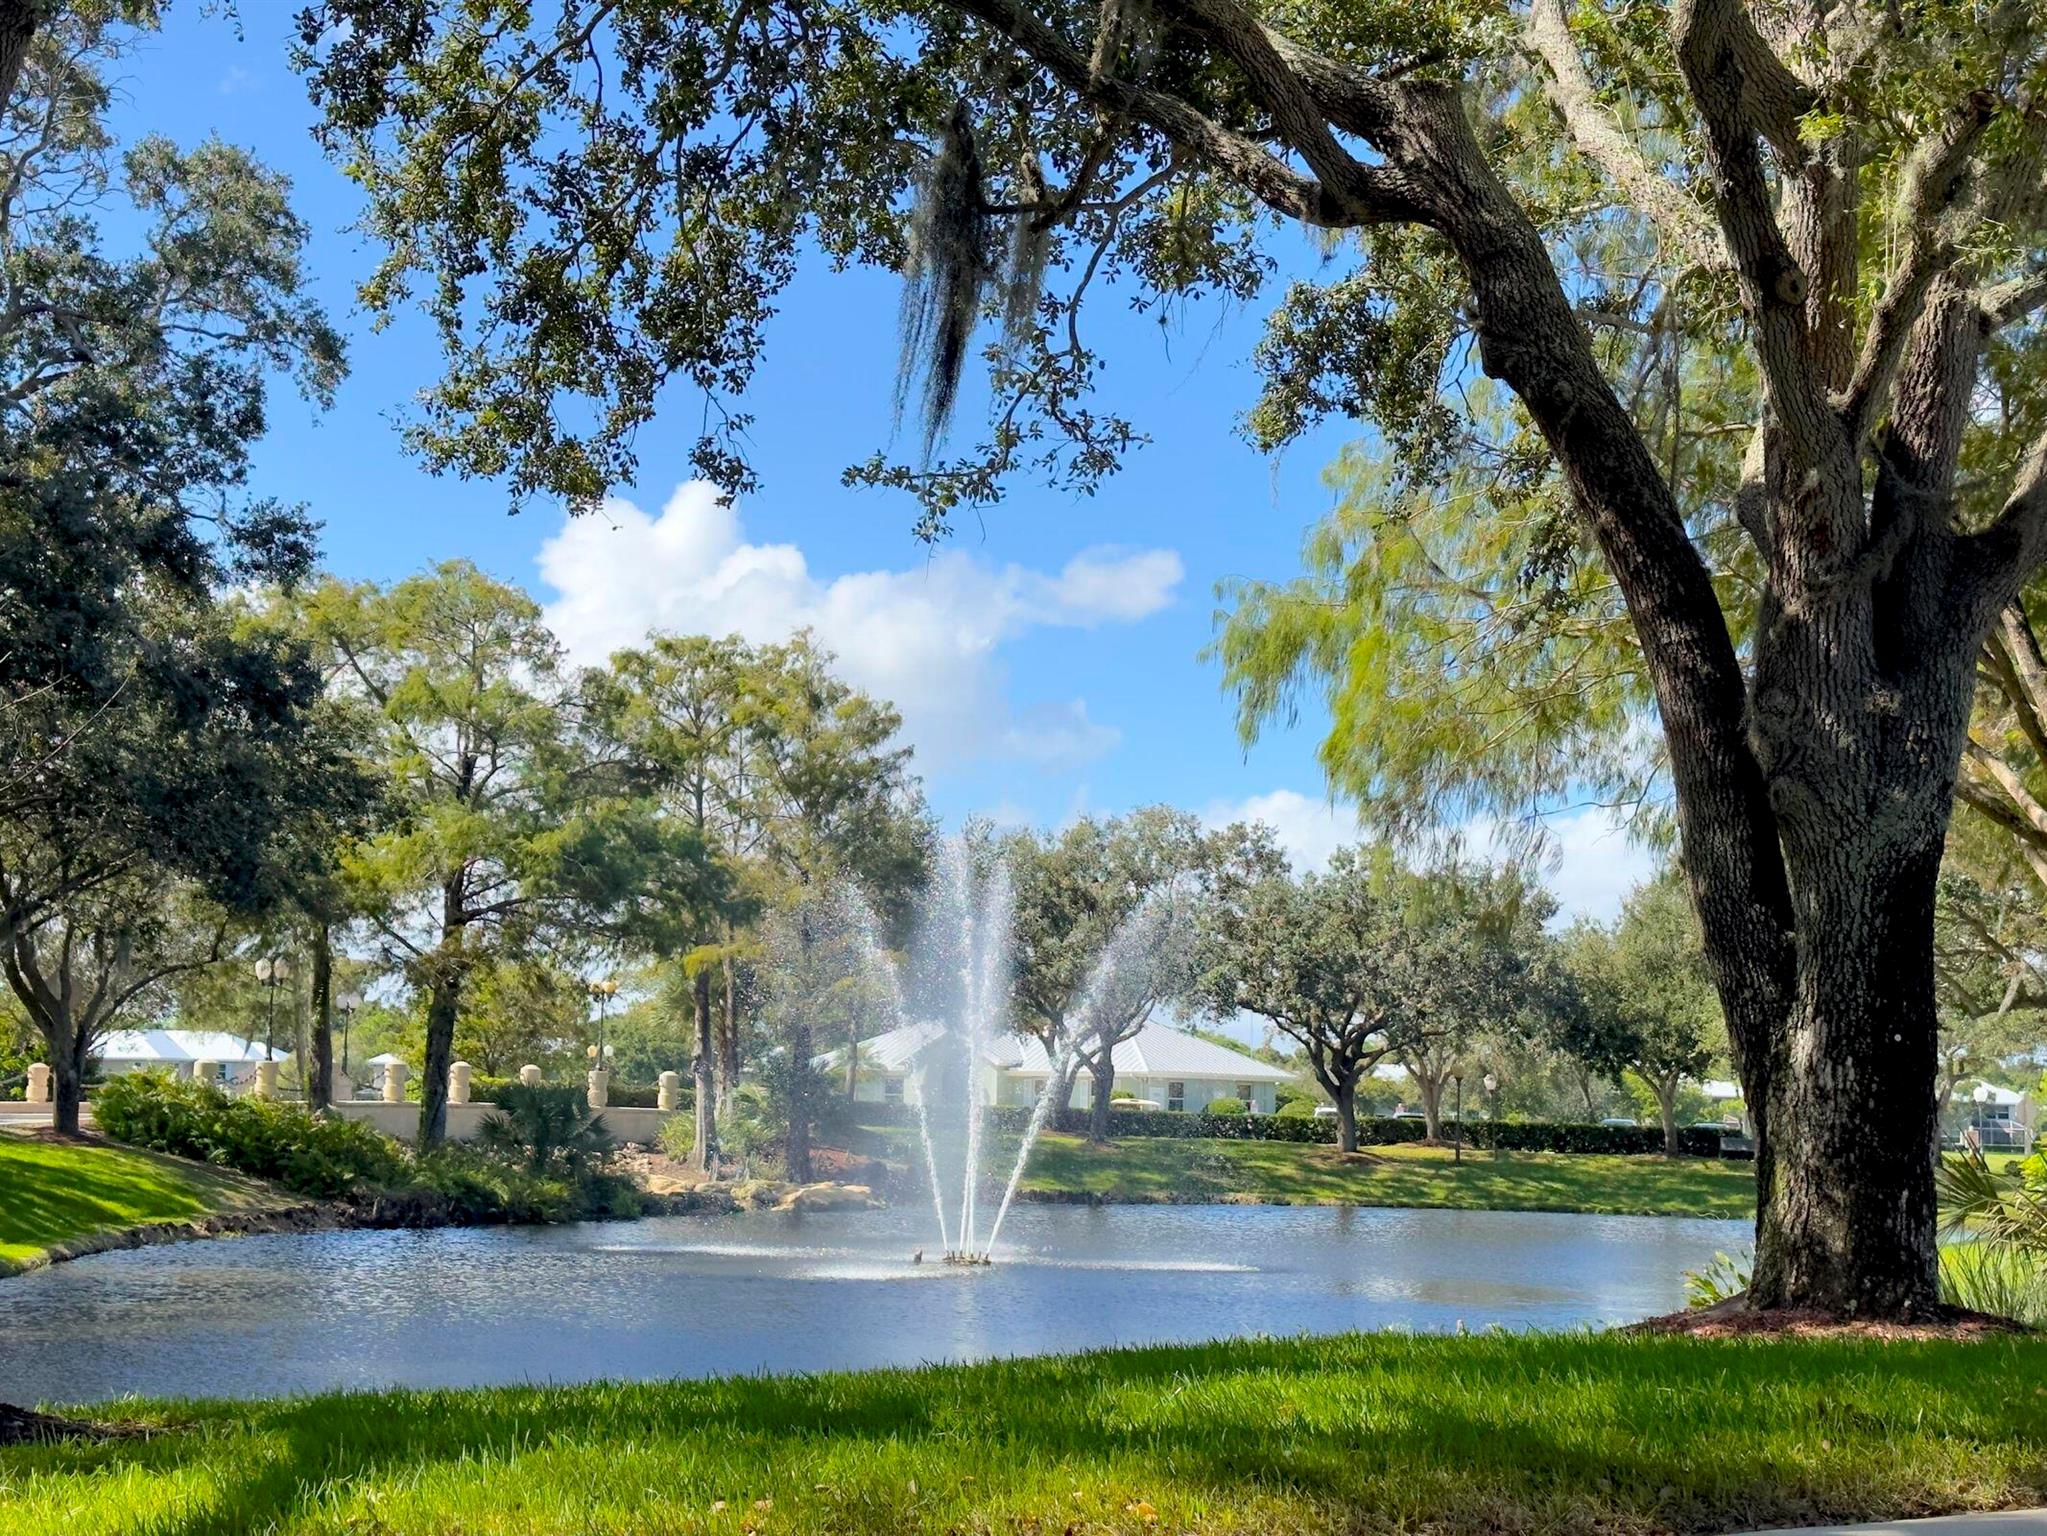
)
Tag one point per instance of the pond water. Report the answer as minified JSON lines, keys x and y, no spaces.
{"x":697,"y":1296}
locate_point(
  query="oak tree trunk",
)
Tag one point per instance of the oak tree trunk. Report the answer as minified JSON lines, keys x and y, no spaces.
{"x":1664,"y":1086}
{"x":1103,"y":1070}
{"x":1849,"y":1124}
{"x":67,"y":1073}
{"x":1346,"y":1095}
{"x":1430,"y":1086}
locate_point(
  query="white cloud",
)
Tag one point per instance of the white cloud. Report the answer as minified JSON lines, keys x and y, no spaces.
{"x":1309,"y":829}
{"x":928,"y":638}
{"x":1596,"y":865}
{"x":1591,"y":864}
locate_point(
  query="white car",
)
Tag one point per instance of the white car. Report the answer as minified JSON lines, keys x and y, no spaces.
{"x":1621,"y":1122}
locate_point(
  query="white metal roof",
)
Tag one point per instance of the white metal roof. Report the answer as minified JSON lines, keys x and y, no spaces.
{"x":1154,"y":1051}
{"x":180,"y":1047}
{"x":1990,"y":1093}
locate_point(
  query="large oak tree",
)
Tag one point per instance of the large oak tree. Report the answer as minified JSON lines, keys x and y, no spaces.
{"x":1849,"y":194}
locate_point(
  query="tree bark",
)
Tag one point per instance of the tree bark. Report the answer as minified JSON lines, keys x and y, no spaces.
{"x":1664,"y":1085}
{"x":1846,"y":1204}
{"x":67,"y":1074}
{"x":444,"y":1002}
{"x":1430,"y":1086}
{"x":798,"y":1139}
{"x":704,"y":1146}
{"x":728,"y":1045}
{"x":320,"y":1089}
{"x":18,"y":22}
{"x":1102,"y":1067}
{"x":1346,"y":1095}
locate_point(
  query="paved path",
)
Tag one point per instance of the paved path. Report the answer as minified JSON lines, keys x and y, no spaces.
{"x":2010,"y":1522}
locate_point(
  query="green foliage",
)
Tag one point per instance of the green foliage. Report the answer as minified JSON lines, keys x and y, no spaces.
{"x":1370,"y":959}
{"x":549,"y":1126}
{"x":312,"y":1155}
{"x":1722,"y":1280}
{"x":1645,"y":1000}
{"x":550,"y":1174}
{"x":1226,"y":1107}
{"x":475,"y":1188}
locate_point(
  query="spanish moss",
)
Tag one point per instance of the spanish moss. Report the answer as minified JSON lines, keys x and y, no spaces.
{"x":944,"y":273}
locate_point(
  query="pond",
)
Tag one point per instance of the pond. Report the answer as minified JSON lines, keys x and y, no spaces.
{"x":697,"y":1296}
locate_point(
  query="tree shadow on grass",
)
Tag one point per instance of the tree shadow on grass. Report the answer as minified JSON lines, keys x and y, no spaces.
{"x":1560,"y":1432}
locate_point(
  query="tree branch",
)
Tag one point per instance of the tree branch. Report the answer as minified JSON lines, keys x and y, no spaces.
{"x":1933,"y":177}
{"x":1743,"y":92}
{"x":1372,"y":196}
{"x":1601,"y":139}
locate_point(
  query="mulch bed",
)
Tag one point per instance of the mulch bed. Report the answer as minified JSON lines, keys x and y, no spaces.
{"x":1735,"y":1319}
{"x":24,"y":1426}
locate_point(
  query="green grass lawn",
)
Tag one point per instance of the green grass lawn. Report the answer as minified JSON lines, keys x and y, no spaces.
{"x":56,"y":1191}
{"x":1385,"y":1433}
{"x":1156,"y":1168}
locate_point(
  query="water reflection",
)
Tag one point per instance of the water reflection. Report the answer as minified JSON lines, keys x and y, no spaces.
{"x":702,"y":1296}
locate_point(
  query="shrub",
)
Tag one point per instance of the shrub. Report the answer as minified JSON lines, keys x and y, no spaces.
{"x":330,"y":1157}
{"x":492,"y":1090}
{"x":678,"y":1138}
{"x":550,"y":1126}
{"x":1226,"y":1107}
{"x":307,"y":1153}
{"x":480,"y":1189}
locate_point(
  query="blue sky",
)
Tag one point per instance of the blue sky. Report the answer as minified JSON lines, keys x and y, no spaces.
{"x":1046,"y":659}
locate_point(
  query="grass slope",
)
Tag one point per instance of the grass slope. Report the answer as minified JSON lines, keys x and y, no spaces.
{"x":1399,"y":1175}
{"x":1546,"y":1433}
{"x":54,"y":1192}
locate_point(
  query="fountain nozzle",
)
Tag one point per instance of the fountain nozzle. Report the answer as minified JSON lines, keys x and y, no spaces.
{"x":960,"y":1256}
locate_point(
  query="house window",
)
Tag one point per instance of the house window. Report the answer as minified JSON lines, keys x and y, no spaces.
{"x":1176,"y":1096}
{"x":1244,"y":1096}
{"x":892,"y":1090}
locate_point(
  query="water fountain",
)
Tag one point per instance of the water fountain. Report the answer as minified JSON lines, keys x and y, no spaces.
{"x":954,"y":989}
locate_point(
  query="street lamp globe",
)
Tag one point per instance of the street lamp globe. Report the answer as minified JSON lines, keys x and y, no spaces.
{"x":1492,"y":1084}
{"x":280,"y":970}
{"x":263,"y":970}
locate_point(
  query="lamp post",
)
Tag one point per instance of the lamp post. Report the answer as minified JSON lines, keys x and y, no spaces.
{"x":1457,"y":1146}
{"x":604,"y":991}
{"x":347,"y":1003}
{"x":273,"y":971}
{"x":1492,"y":1093}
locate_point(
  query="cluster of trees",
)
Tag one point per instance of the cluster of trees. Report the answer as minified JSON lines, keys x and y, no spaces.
{"x":1447,"y":971}
{"x":1701,"y":344}
{"x":1759,"y":453}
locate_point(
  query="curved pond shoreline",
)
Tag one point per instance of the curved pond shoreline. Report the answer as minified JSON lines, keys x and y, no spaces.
{"x":776,"y":1292}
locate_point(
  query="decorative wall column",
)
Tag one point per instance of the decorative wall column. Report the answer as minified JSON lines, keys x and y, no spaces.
{"x":265,"y":1086}
{"x":530,"y":1075}
{"x":671,"y":1091}
{"x":600,"y":1088}
{"x":394,"y":1082}
{"x":458,"y":1083}
{"x":38,"y":1083}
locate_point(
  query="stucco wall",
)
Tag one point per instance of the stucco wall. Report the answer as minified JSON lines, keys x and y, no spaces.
{"x":401,"y":1121}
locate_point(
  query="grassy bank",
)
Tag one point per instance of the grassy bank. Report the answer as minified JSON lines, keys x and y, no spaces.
{"x":1157,"y":1169}
{"x":57,"y":1192}
{"x":1558,"y":1433}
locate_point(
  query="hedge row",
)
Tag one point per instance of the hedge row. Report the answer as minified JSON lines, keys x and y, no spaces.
{"x":1373,"y":1130}
{"x":490,"y":1090}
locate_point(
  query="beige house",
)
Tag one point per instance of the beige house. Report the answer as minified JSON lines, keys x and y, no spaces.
{"x":1158,"y":1066}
